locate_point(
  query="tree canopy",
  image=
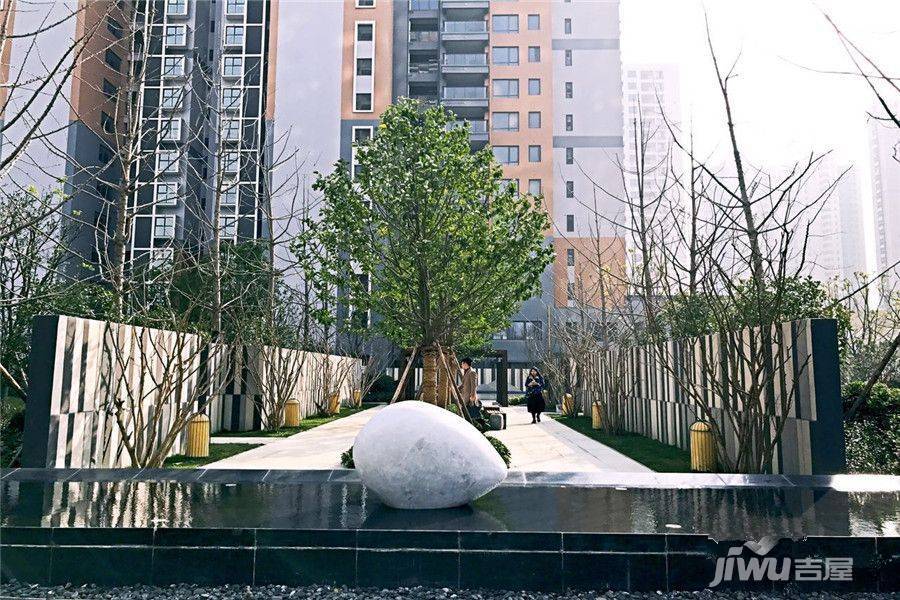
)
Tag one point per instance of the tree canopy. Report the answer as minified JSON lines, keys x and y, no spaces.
{"x":427,"y":235}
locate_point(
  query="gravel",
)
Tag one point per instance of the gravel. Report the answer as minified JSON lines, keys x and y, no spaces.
{"x":280,"y":592}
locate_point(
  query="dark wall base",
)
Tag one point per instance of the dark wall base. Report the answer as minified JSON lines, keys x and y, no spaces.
{"x":391,"y":558}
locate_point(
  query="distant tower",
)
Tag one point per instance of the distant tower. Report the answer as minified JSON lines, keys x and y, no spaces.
{"x":651,"y":92}
{"x":884,"y":140}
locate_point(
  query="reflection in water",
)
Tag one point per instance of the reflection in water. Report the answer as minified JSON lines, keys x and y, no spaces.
{"x":732,"y":513}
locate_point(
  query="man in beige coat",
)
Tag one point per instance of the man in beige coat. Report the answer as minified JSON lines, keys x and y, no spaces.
{"x":469,"y":383}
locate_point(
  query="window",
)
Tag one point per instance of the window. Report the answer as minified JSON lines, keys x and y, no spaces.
{"x":365,"y":3}
{"x":176,"y":7}
{"x":534,"y":87}
{"x":170,"y":130}
{"x":570,"y":257}
{"x":534,"y":187}
{"x":570,"y":190}
{"x":505,"y":121}
{"x":506,"y":88}
{"x":103,"y":156}
{"x":570,"y":219}
{"x":362,"y":134}
{"x":114,"y":27}
{"x":235,"y":7}
{"x":364,"y":32}
{"x":175,"y":35}
{"x":507,"y":155}
{"x":363,"y":66}
{"x":231,"y":162}
{"x":166,"y":193}
{"x":232,"y":66}
{"x":160,"y":258}
{"x":534,"y":120}
{"x":509,"y":184}
{"x":227,"y":226}
{"x":505,"y":55}
{"x":167,"y":161}
{"x":107,"y":123}
{"x":534,"y":22}
{"x":231,"y":130}
{"x":164,"y":226}
{"x":234,"y":35}
{"x":231,"y":98}
{"x":363,"y":102}
{"x":570,"y":290}
{"x":570,"y":156}
{"x":109,"y":90}
{"x":170,"y":98}
{"x":113,"y":60}
{"x":567,"y":26}
{"x":505,"y":23}
{"x":569,"y":89}
{"x":229,"y":196}
{"x":534,"y":154}
{"x":534,"y":54}
{"x":568,"y":58}
{"x":570,"y":123}
{"x":173,"y":66}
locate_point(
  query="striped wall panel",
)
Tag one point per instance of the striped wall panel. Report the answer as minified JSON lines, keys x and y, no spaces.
{"x":78,"y":366}
{"x":661,"y":390}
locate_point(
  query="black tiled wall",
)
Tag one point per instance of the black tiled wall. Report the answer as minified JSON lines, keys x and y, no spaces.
{"x":389,"y":558}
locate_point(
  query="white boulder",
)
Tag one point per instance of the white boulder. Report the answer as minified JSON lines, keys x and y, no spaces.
{"x":417,"y":455}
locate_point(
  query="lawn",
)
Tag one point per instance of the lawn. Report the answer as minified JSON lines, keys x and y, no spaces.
{"x":660,"y":457}
{"x":305,"y":425}
{"x":216,"y":452}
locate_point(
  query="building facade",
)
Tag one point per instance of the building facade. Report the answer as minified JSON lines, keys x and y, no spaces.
{"x":884,"y":143}
{"x":540,"y":81}
{"x":167,"y":114}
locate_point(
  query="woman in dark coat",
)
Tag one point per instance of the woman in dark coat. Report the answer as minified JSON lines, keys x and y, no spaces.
{"x":534,"y":394}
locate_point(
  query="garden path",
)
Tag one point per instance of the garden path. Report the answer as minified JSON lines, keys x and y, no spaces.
{"x":547,"y":446}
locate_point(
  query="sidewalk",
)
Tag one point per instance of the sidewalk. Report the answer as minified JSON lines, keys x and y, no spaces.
{"x":547,"y":446}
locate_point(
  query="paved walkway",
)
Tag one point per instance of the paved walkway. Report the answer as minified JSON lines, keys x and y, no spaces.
{"x":318,"y":448}
{"x":547,"y":446}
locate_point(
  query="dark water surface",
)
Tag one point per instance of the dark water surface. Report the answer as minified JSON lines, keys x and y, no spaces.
{"x":723,"y":513}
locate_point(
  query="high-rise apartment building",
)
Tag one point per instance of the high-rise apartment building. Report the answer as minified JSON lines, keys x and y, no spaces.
{"x":178,"y":92}
{"x":540,"y":82}
{"x":651,"y":99}
{"x":884,"y":139}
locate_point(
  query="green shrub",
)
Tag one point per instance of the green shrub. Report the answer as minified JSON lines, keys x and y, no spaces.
{"x":501,"y":449}
{"x":882,"y":401}
{"x":382,"y":390}
{"x":873,"y":445}
{"x":347,"y":459}
{"x":12,"y":426}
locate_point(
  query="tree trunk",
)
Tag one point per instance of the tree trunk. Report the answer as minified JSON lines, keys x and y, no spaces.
{"x":443,"y":387}
{"x":429,"y":375}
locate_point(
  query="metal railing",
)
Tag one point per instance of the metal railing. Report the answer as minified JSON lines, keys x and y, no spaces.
{"x":475,"y":126}
{"x":465,"y":93}
{"x":465,"y":27}
{"x":465,"y":60}
{"x":423,"y":4}
{"x":423,"y":36}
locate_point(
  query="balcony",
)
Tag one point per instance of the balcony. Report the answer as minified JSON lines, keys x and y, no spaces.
{"x":478,"y":132}
{"x":427,"y":9}
{"x":425,"y":72}
{"x":465,"y":96}
{"x":465,"y":31}
{"x":465,"y":63}
{"x":479,"y":6}
{"x":424,"y":40}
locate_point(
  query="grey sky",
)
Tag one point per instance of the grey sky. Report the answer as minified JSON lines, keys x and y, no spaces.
{"x":783,"y":109}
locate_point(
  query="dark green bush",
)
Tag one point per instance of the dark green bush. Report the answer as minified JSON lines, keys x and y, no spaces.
{"x":873,"y":445}
{"x":12,"y":425}
{"x":501,"y":449}
{"x":347,"y":459}
{"x":382,"y":390}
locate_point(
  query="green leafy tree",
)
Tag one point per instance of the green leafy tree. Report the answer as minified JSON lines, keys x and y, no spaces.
{"x":427,"y":237}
